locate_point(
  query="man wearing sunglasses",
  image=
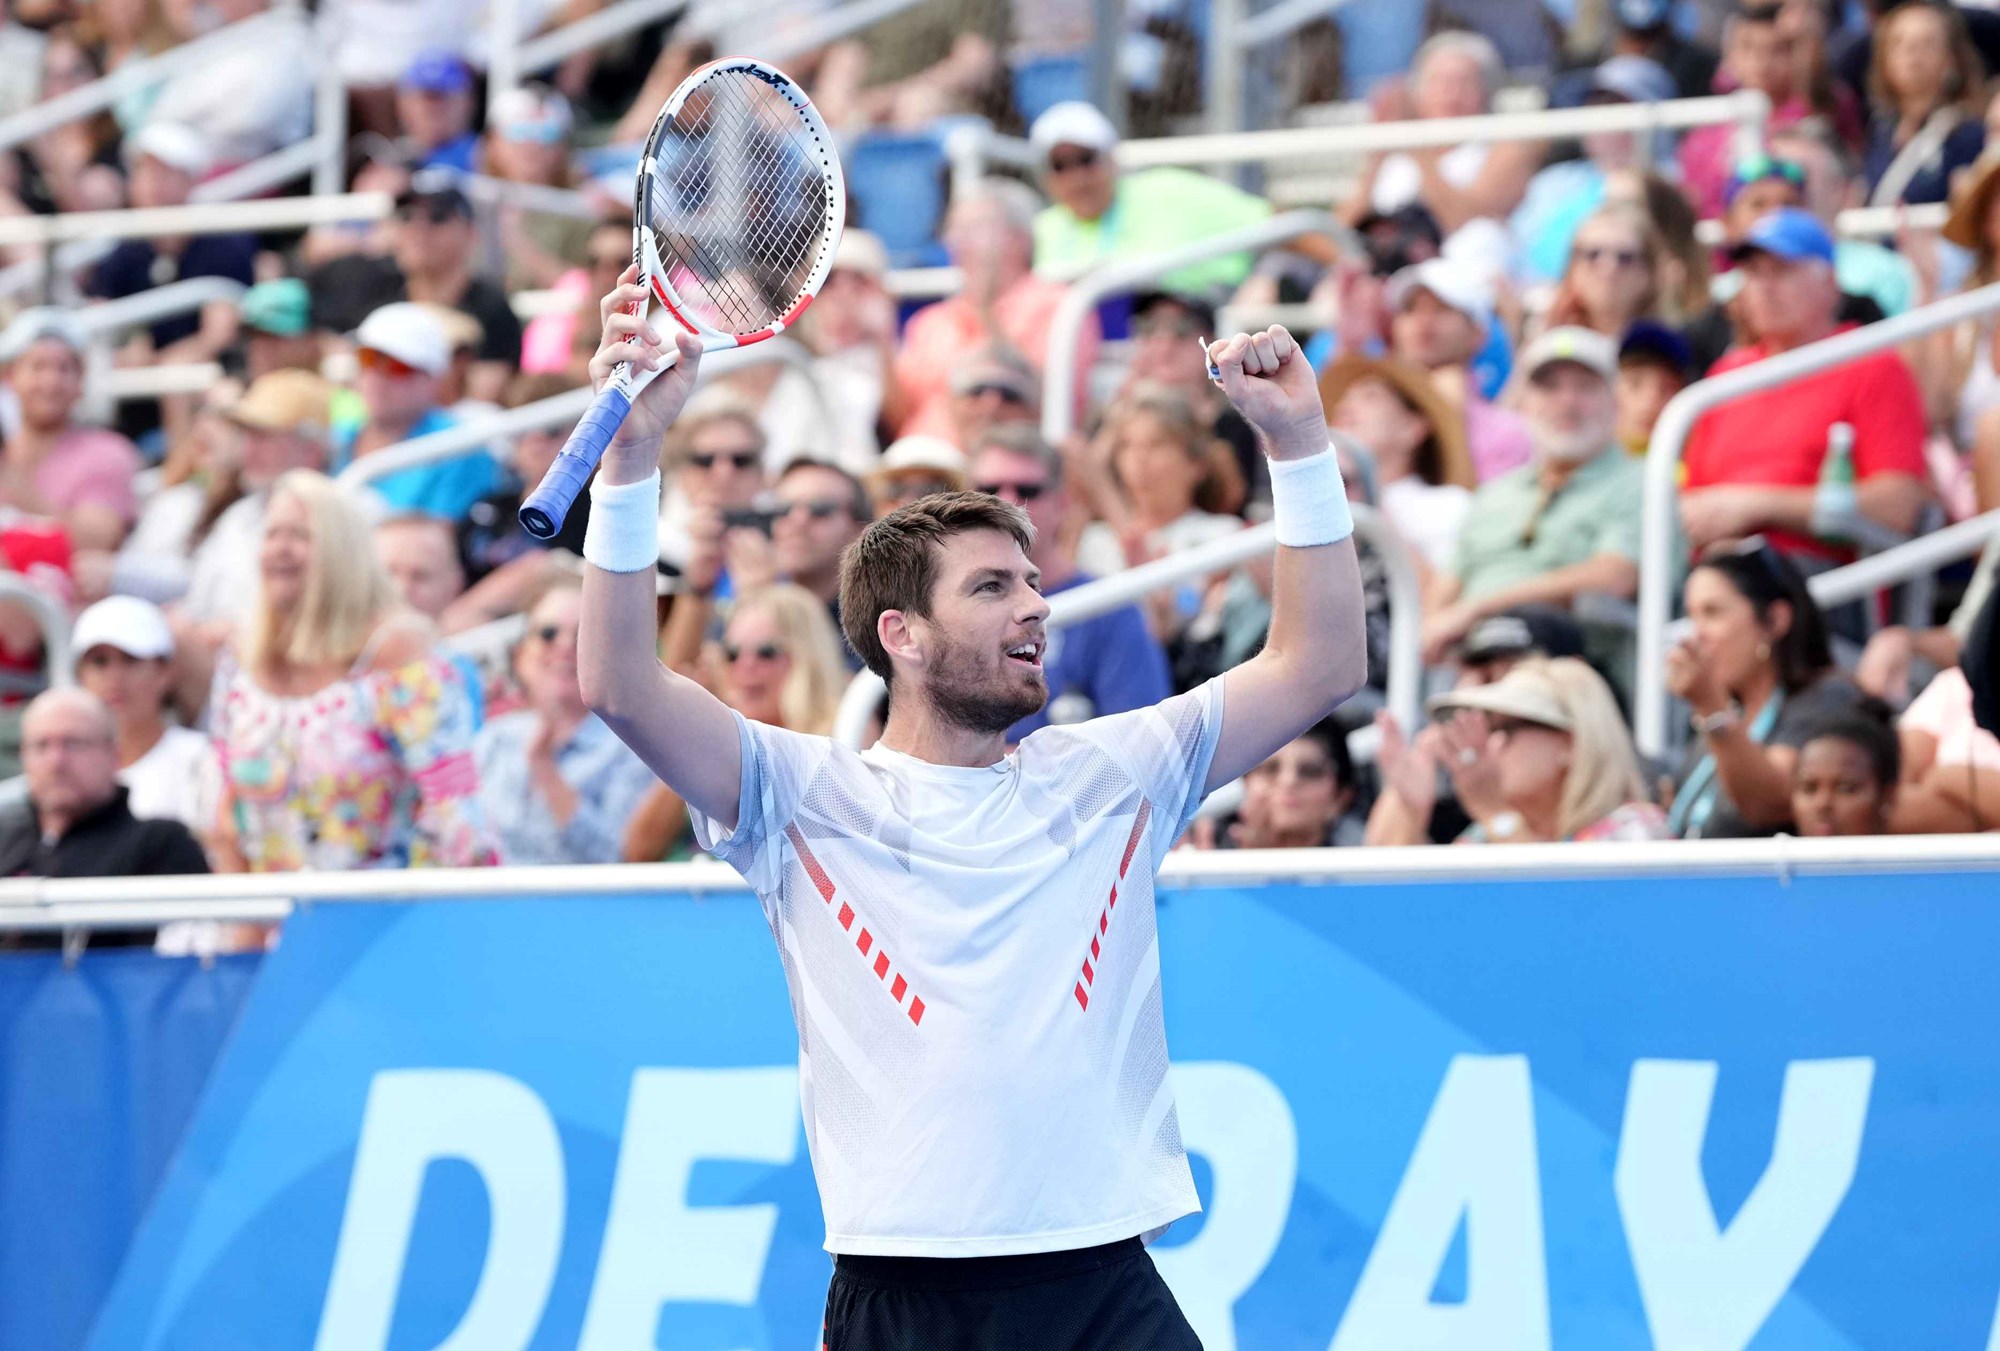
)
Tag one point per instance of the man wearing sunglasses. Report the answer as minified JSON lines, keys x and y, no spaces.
{"x":1101,"y":214}
{"x":1107,"y":664}
{"x":434,"y":249}
{"x":821,"y":509}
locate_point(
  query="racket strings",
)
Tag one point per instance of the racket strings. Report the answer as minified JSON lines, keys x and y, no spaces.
{"x":739,"y":207}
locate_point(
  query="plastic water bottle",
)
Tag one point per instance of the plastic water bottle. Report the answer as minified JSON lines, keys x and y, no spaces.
{"x":1835,"y":502}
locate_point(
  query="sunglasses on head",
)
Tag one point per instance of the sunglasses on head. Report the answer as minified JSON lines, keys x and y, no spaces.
{"x":738,"y":459}
{"x":1020,"y":492}
{"x":384,"y":364}
{"x":1075,"y":159}
{"x":732,"y":653}
{"x":1757,"y":168}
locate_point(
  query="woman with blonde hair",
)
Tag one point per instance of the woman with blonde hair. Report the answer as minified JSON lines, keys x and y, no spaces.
{"x":1923,"y":123}
{"x":1617,"y":274}
{"x":779,"y":662}
{"x":1538,"y":756}
{"x":344,"y":740}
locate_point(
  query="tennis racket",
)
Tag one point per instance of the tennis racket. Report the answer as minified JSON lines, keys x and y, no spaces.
{"x":738,"y":209}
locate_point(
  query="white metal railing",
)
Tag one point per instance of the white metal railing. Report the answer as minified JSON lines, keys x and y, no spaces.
{"x":1859,"y":222}
{"x":559,"y":409}
{"x":1658,"y":570}
{"x":1112,"y":278}
{"x":1906,"y":561}
{"x":131,"y":78}
{"x":53,"y":620}
{"x":864,"y":692}
{"x":1746,"y":110}
{"x":128,"y":384}
{"x":196,"y":218}
{"x":162,"y":302}
{"x":143,"y":902}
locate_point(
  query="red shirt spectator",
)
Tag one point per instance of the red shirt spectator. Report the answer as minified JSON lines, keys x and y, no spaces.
{"x":1753,"y":464}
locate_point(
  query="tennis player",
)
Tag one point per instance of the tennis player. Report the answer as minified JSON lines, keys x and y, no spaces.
{"x":967,"y":931}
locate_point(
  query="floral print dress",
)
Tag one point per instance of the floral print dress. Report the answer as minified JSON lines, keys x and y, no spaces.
{"x":371,"y":771}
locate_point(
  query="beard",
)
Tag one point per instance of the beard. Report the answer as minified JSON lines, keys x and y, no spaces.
{"x":966,"y":692}
{"x":1571,"y":446}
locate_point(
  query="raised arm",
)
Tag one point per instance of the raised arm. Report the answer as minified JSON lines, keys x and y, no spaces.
{"x":685,"y":734}
{"x":1316,"y":654}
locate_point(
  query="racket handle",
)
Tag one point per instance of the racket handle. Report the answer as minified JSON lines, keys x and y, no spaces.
{"x":548,"y":506}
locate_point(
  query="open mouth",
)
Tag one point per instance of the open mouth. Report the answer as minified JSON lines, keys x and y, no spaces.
{"x":1026,"y":654}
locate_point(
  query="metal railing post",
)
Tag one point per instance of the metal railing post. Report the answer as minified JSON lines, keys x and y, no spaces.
{"x":329,"y":174}
{"x":1659,"y":529}
{"x":1222,"y":73}
{"x":503,"y":64}
{"x":1107,"y":38}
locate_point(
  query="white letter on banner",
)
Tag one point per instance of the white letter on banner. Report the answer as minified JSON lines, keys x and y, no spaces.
{"x":1707,"y":1288}
{"x":1239,"y":1121}
{"x":1475,"y":1161}
{"x":501,"y":1128}
{"x":657,"y":1247}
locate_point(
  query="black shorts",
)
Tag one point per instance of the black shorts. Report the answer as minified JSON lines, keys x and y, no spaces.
{"x":1090,"y":1299}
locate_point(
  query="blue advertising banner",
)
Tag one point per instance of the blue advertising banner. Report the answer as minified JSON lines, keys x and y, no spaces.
{"x":1707,"y":1113}
{"x":101,"y":1064}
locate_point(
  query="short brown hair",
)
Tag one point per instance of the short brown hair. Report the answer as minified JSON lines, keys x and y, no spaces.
{"x":894,"y":565}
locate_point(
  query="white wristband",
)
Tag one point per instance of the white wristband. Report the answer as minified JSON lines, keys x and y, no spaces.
{"x":624,"y":530}
{"x":1308,"y":501}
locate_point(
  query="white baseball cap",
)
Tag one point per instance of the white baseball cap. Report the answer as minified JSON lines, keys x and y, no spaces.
{"x":409,"y":333}
{"x":136,"y":627}
{"x":861,"y":251}
{"x":173,"y":144}
{"x":1071,"y":123}
{"x":1457,"y":284}
{"x":1585,"y":347}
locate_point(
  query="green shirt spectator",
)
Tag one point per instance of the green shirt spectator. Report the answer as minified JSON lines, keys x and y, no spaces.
{"x":1517,"y":530}
{"x":1100,"y":214}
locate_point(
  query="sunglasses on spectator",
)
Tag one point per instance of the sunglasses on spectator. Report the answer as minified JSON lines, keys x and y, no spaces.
{"x":1020,"y":492}
{"x":1602,"y":253}
{"x":914,"y":486}
{"x":732,"y":653}
{"x":819,"y":510}
{"x":1076,"y":159}
{"x":384,"y":364}
{"x":1508,"y":728}
{"x":1008,"y":394}
{"x":739,"y":460}
{"x":535,"y":133}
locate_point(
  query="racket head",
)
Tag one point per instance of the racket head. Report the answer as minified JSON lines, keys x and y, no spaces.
{"x":739,"y":203}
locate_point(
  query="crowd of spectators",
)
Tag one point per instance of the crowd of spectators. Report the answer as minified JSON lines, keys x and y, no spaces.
{"x":301,"y":662}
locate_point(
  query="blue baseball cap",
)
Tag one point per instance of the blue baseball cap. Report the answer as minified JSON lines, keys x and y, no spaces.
{"x":1642,"y":16}
{"x":1788,"y":233}
{"x":1651,"y":340}
{"x":438,"y":71}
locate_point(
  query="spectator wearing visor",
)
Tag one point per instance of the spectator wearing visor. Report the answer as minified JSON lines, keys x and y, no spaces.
{"x":1100,"y":214}
{"x":404,"y":357}
{"x":1757,"y":465}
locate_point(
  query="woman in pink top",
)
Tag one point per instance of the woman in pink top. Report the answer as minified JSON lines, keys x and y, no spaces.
{"x":1951,"y":765}
{"x":81,"y":476}
{"x":345,"y":740}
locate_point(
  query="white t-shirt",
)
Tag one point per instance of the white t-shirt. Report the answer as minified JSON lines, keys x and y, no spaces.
{"x":1427,"y":515}
{"x":982,"y":1056}
{"x":174,"y":781}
